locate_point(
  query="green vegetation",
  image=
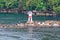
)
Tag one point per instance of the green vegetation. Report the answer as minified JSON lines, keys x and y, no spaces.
{"x":8,"y":3}
{"x":40,"y":5}
{"x":55,"y":5}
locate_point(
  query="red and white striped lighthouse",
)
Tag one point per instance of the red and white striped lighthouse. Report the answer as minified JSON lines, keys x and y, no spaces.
{"x":29,"y":16}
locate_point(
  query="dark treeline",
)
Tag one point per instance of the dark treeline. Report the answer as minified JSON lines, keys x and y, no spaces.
{"x":39,"y":5}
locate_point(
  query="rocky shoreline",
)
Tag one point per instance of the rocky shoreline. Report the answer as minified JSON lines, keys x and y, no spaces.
{"x":34,"y":24}
{"x":41,"y":13}
{"x":25,"y":12}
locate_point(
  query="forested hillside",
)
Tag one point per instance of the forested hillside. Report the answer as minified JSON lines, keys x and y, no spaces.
{"x":8,"y":3}
{"x":32,"y":4}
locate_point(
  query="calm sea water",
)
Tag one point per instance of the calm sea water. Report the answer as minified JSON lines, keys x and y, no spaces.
{"x":27,"y":33}
{"x":9,"y":18}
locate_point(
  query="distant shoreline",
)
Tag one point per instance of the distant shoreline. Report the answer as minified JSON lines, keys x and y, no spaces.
{"x":8,"y":10}
{"x":25,"y":12}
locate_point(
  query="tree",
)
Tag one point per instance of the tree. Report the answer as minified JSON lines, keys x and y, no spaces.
{"x":54,"y":4}
{"x":9,"y":3}
{"x":33,"y":4}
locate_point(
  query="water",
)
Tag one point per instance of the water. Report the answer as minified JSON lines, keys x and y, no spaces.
{"x":9,"y":18}
{"x":27,"y":33}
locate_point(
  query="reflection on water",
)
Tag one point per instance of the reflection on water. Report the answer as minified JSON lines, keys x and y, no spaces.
{"x":27,"y":34}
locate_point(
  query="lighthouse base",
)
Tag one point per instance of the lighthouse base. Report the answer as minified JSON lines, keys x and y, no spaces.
{"x":30,"y":23}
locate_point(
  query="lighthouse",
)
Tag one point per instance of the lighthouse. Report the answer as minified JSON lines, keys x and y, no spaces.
{"x":30,"y":17}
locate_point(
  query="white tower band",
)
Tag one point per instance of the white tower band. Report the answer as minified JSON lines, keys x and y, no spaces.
{"x":29,"y":16}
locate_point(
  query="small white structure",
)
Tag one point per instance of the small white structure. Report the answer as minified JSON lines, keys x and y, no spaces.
{"x":29,"y":16}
